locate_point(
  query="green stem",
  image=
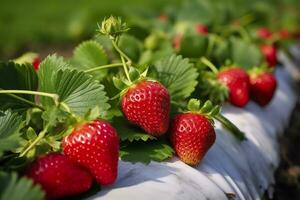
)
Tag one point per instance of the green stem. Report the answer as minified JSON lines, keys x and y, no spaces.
{"x":51,"y":95}
{"x":231,"y":127}
{"x":242,"y":32}
{"x":26,"y":101}
{"x":125,"y":68}
{"x":39,"y":137}
{"x":211,"y":43}
{"x":104,"y":67}
{"x":120,"y":51}
{"x":211,"y":66}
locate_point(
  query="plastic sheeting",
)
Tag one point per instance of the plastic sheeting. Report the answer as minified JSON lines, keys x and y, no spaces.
{"x":230,"y":169}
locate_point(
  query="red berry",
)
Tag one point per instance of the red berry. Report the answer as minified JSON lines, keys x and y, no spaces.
{"x":201,"y":29}
{"x":36,"y":63}
{"x":284,"y":34}
{"x":263,"y":33}
{"x":237,"y":82}
{"x":95,"y":145}
{"x":59,"y":176}
{"x":147,"y":104}
{"x":270,"y":54}
{"x":262,"y":87}
{"x":163,"y":18}
{"x":192,"y":135}
{"x":177,"y":41}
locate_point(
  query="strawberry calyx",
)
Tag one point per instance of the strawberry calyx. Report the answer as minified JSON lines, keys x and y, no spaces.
{"x":135,"y":76}
{"x":258,"y":70}
{"x":212,"y":112}
{"x":204,"y":108}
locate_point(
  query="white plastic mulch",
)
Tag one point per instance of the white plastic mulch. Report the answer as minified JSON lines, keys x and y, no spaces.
{"x":240,"y":170}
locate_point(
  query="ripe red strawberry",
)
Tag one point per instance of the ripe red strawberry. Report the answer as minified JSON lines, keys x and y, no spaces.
{"x":262,"y":87}
{"x":270,"y":54}
{"x":163,"y":18}
{"x":177,"y":41}
{"x":201,"y":29}
{"x":95,"y":146}
{"x":263,"y":33}
{"x":147,"y":104}
{"x":59,"y":176}
{"x":36,"y":63}
{"x":192,"y":134}
{"x":237,"y":82}
{"x":283,"y":34}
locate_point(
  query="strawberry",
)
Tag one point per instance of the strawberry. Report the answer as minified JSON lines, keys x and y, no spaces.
{"x":176,"y":42}
{"x":59,"y":176}
{"x":262,"y":86}
{"x":147,"y":104}
{"x":270,"y":54}
{"x":201,"y":29}
{"x":192,"y":134}
{"x":284,"y":34}
{"x":163,"y":18}
{"x":95,"y":146}
{"x":237,"y":82}
{"x":36,"y":63}
{"x":263,"y":33}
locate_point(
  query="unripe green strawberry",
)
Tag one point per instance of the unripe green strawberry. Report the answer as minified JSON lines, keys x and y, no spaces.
{"x":147,"y":104}
{"x":95,"y":146}
{"x":59,"y":176}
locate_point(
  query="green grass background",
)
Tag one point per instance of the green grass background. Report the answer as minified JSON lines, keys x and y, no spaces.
{"x":28,"y":24}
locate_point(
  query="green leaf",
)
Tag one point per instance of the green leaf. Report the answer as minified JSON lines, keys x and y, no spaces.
{"x":119,"y":83}
{"x":31,"y":134}
{"x":131,"y":46}
{"x":193,"y":105}
{"x":130,"y":132}
{"x":193,"y":46}
{"x":178,"y":75}
{"x":53,"y":115}
{"x":145,"y":152}
{"x":14,"y":188}
{"x":134,"y":74}
{"x":90,"y":54}
{"x":47,"y":75}
{"x":245,"y":54}
{"x":79,"y":91}
{"x":10,"y":125}
{"x":18,"y":77}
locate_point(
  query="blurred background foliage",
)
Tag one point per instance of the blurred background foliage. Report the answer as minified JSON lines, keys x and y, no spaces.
{"x":33,"y":24}
{"x":40,"y":25}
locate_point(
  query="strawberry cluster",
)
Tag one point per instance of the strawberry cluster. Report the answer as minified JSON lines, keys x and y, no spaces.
{"x":111,"y":97}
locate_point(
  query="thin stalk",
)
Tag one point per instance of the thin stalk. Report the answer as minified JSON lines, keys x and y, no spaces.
{"x":26,"y":101}
{"x":209,"y":64}
{"x":125,"y":69}
{"x":211,"y":43}
{"x":120,"y":51}
{"x":39,"y":137}
{"x":51,"y":95}
{"x":104,"y":67}
{"x":231,"y":127}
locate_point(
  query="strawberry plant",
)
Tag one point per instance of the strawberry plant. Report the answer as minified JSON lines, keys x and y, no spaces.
{"x":130,"y":96}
